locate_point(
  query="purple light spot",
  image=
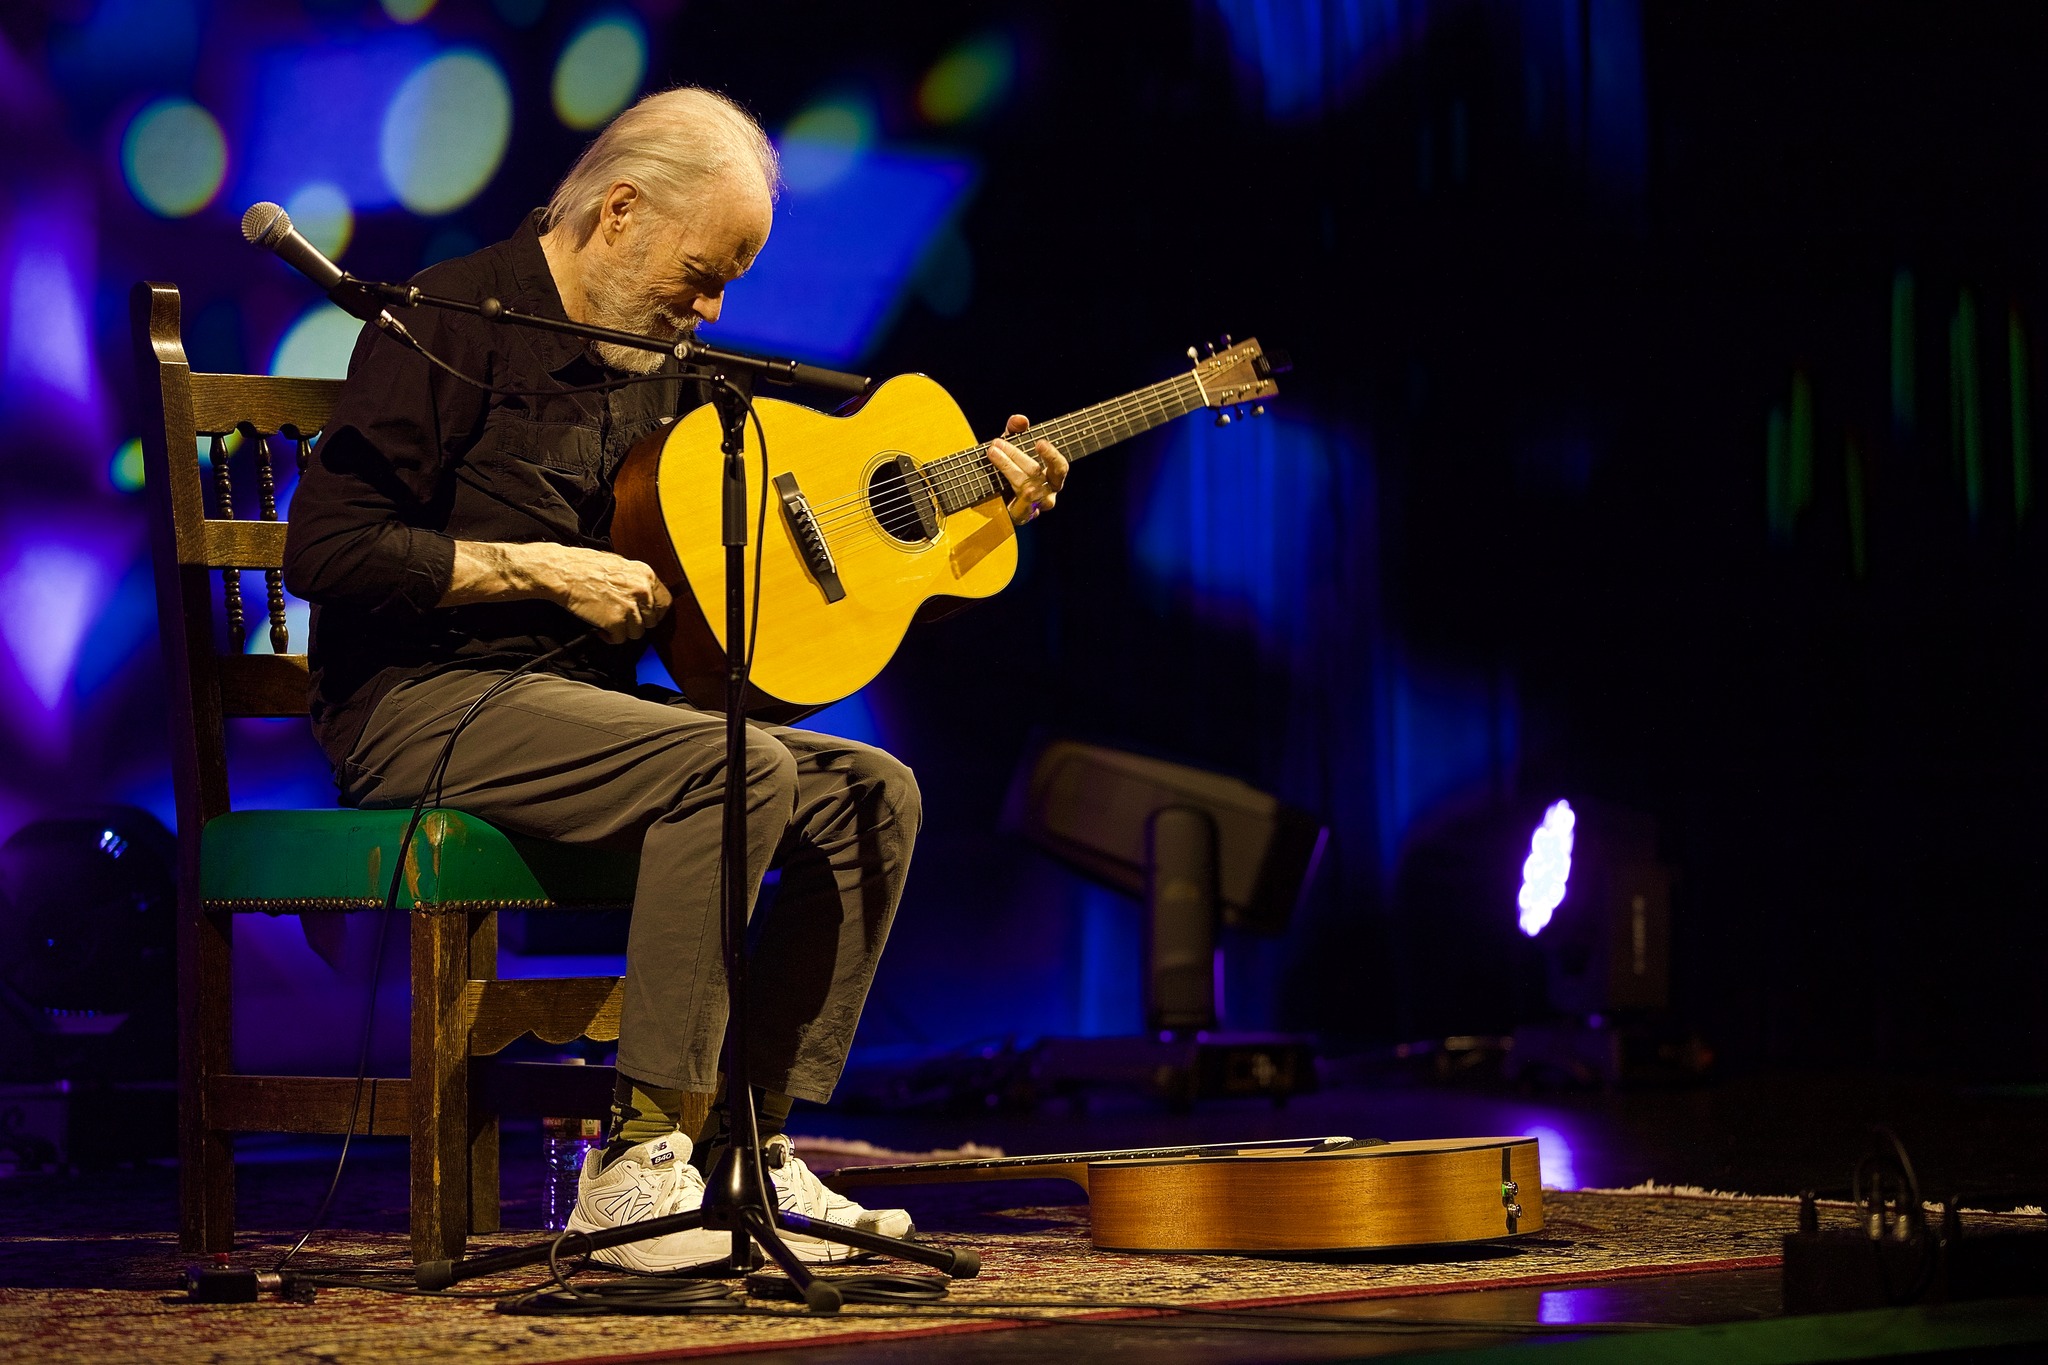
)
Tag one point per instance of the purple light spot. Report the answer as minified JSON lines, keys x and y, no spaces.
{"x":1554,"y":1157}
{"x":48,"y":596}
{"x":46,"y":333}
{"x":1547,"y":869}
{"x":1568,"y":1306}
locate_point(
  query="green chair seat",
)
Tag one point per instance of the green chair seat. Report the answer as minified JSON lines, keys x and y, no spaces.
{"x":289,"y":860}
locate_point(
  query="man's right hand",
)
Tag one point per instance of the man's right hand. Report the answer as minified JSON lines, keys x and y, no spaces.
{"x":621,"y":597}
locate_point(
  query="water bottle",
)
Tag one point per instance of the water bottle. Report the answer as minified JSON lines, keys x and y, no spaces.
{"x":563,"y":1145}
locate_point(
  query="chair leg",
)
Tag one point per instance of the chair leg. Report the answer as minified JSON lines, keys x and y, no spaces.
{"x":440,"y":1086}
{"x":483,"y":1119}
{"x":206,"y":1156}
{"x":483,"y":1172}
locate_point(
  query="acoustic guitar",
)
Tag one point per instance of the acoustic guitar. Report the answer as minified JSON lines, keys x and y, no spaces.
{"x":1302,"y":1195}
{"x":874,"y":516}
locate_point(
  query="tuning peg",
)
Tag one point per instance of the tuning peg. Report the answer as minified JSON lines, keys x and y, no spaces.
{"x":1258,"y":409}
{"x":1194,"y":355}
{"x":1212,"y":348}
{"x":1226,"y":341}
{"x":1222,"y":419}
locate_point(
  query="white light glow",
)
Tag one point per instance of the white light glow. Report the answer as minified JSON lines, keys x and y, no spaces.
{"x":1548,"y":867}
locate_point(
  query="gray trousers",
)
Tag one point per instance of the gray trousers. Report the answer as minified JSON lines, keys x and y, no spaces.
{"x":564,"y":760}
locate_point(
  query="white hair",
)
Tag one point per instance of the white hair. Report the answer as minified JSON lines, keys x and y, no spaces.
{"x":673,"y":147}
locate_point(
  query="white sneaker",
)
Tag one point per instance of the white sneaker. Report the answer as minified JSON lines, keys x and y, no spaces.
{"x":798,"y":1190}
{"x":649,"y":1180}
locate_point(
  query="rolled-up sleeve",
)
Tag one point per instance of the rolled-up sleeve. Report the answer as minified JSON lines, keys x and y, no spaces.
{"x":363,"y":524}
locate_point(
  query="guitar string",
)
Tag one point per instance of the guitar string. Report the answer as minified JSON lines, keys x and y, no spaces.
{"x":963,"y":471}
{"x":946,"y":481}
{"x":857,"y":524}
{"x":948,"y":477}
{"x":960,"y":469}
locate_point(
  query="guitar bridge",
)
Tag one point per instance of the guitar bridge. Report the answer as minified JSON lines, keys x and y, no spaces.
{"x":810,"y":539}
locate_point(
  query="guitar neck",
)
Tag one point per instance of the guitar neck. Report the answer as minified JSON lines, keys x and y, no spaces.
{"x":1073,"y":1166}
{"x":967,"y":477}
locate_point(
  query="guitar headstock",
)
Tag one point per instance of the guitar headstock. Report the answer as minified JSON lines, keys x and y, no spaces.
{"x":1240,"y":373}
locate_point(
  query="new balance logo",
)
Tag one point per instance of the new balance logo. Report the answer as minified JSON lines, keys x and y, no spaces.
{"x":627,"y":1206}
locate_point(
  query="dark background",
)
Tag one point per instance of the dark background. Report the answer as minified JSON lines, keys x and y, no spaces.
{"x":1660,"y":435}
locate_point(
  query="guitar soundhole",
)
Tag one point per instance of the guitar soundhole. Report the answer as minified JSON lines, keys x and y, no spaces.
{"x":901,"y":502}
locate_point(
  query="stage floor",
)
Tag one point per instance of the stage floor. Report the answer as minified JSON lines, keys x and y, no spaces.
{"x":82,"y":1243}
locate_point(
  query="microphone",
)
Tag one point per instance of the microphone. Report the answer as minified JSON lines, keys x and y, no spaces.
{"x":267,"y":225}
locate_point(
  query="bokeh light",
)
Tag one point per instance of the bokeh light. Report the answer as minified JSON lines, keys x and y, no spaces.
{"x":408,"y":11}
{"x":445,"y":132}
{"x":843,"y":254}
{"x":48,"y":596}
{"x":1547,"y":870}
{"x":825,"y":141}
{"x":600,"y":70}
{"x":969,"y":81}
{"x":174,"y":158}
{"x":125,"y":470}
{"x":318,"y":345}
{"x":323,"y":216}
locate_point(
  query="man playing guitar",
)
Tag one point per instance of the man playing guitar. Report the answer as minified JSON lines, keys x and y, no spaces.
{"x":447,"y":534}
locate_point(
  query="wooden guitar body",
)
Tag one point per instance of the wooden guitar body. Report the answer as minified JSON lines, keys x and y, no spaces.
{"x":811,"y":650}
{"x":870,"y":517}
{"x":1327,"y":1194}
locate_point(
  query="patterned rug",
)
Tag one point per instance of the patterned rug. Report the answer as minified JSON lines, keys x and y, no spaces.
{"x":1039,"y":1252}
{"x":67,"y":1296}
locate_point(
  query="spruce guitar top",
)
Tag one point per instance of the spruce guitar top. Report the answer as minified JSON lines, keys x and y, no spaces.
{"x":870,"y":517}
{"x":1307,"y":1194}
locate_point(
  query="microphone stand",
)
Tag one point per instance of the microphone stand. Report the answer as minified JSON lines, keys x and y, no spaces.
{"x":739,"y":1196}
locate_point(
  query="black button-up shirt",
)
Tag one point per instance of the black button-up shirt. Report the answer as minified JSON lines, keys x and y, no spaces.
{"x":415,"y":460}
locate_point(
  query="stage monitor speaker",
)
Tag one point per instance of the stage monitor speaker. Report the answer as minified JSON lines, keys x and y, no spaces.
{"x":1609,"y":946}
{"x":1093,"y":807}
{"x":1180,"y":893}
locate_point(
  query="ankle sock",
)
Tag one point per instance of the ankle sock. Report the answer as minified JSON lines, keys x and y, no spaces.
{"x":771,"y":1106}
{"x":642,"y":1112}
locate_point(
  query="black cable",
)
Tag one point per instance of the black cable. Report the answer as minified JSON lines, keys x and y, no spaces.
{"x":432,"y":786}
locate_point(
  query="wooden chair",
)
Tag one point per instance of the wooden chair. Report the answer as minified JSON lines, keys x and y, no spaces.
{"x":459,"y":872}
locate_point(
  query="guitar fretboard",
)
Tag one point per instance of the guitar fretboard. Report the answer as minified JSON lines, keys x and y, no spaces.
{"x":962,"y":479}
{"x":1002,"y":1163}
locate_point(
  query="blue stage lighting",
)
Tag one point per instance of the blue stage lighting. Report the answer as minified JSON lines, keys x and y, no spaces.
{"x":126,"y":47}
{"x":123,"y":632}
{"x":1547,"y":869}
{"x":1229,"y":524}
{"x":50,"y":590}
{"x":841,"y":255}
{"x":1310,"y":55}
{"x":48,"y":345}
{"x":293,"y":142}
{"x":853,"y":718}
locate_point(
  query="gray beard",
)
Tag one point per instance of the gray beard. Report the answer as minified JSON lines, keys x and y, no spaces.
{"x":614,"y":302}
